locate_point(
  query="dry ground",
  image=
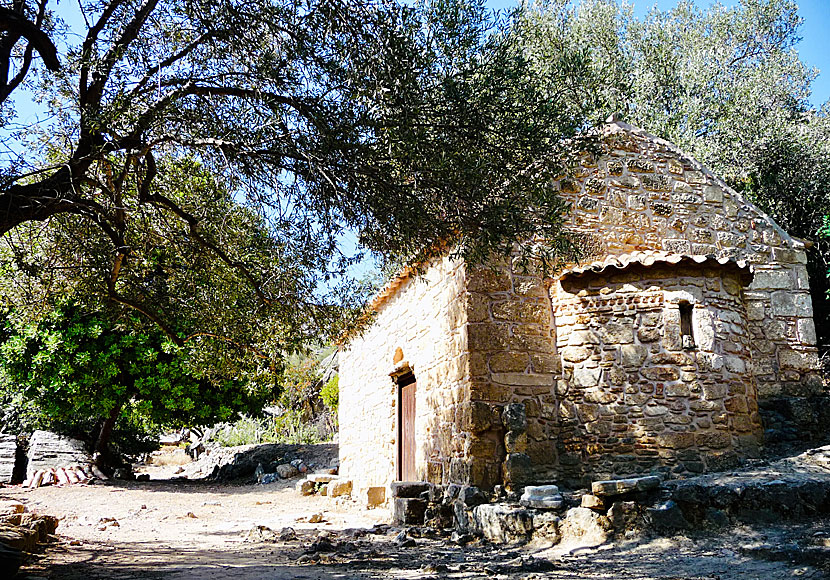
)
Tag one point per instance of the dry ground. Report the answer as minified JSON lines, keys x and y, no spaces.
{"x":197,"y":530}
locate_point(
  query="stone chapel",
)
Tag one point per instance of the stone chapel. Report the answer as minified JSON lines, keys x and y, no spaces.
{"x":649,"y":356}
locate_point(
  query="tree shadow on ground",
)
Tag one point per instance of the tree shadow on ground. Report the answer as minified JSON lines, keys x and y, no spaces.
{"x":431,"y":558}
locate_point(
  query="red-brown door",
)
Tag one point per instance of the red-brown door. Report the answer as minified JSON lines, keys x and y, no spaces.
{"x":406,"y":429}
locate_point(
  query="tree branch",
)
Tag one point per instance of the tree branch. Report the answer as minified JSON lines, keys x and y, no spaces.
{"x":11,"y":21}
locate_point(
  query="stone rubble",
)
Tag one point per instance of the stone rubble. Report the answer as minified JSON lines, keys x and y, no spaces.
{"x":48,"y":451}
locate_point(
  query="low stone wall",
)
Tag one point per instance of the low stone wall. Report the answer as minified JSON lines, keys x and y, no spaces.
{"x":48,"y":450}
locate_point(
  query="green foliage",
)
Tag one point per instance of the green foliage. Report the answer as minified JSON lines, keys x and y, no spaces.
{"x":415,"y":125}
{"x":287,"y":428}
{"x":73,"y":368}
{"x":330,"y":394}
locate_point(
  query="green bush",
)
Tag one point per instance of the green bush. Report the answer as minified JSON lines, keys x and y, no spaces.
{"x":330,"y":393}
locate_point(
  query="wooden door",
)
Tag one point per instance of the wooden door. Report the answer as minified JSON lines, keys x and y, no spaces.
{"x":406,"y":428}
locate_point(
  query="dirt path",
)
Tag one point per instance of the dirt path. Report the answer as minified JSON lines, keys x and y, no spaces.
{"x":188,"y":530}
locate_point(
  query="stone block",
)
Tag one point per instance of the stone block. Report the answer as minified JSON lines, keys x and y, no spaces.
{"x":514,"y":417}
{"x":508,"y":362}
{"x":480,"y":416}
{"x":338,"y":488}
{"x":546,"y":363}
{"x":408,"y":489}
{"x":798,"y":360}
{"x":321,"y":477}
{"x":515,"y":442}
{"x":517,"y":470}
{"x":673,"y":440}
{"x":502,"y":524}
{"x":305,"y":487}
{"x":375,"y":497}
{"x":806,"y":331}
{"x":487,"y":280}
{"x":712,"y":194}
{"x":522,"y":379}
{"x":586,"y":377}
{"x":663,"y":374}
{"x":594,"y":502}
{"x":616,"y":333}
{"x":614,"y":487}
{"x":785,"y":303}
{"x":713,"y":439}
{"x":576,"y":354}
{"x":633,"y":355}
{"x":409,"y":511}
{"x":542,"y":497}
{"x":772,"y":279}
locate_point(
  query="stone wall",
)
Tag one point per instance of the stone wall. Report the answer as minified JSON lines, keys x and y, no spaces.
{"x":513,"y":359}
{"x":633,"y":398}
{"x":644,"y":194}
{"x":48,"y":450}
{"x":425,"y":318}
{"x":8,"y":457}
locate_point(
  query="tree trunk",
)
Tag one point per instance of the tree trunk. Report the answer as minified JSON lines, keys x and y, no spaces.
{"x":102,"y":443}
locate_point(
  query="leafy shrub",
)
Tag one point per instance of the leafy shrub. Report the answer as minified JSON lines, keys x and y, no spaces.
{"x":330,"y":394}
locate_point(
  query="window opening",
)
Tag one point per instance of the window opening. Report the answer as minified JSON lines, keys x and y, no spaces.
{"x":687,"y":337}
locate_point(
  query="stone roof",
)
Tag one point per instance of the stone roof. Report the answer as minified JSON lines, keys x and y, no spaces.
{"x":650,"y":258}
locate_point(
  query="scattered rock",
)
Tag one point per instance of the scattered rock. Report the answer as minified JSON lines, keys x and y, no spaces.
{"x":546,"y":527}
{"x":316,"y":519}
{"x":461,"y":539}
{"x":404,"y":541}
{"x":502,"y":523}
{"x":584,"y":527}
{"x":667,"y":517}
{"x":625,"y":516}
{"x":287,"y":471}
{"x":472,"y":496}
{"x":322,"y":544}
{"x":261,"y":534}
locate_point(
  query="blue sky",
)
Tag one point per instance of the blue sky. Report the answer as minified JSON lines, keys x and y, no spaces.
{"x":814,"y":47}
